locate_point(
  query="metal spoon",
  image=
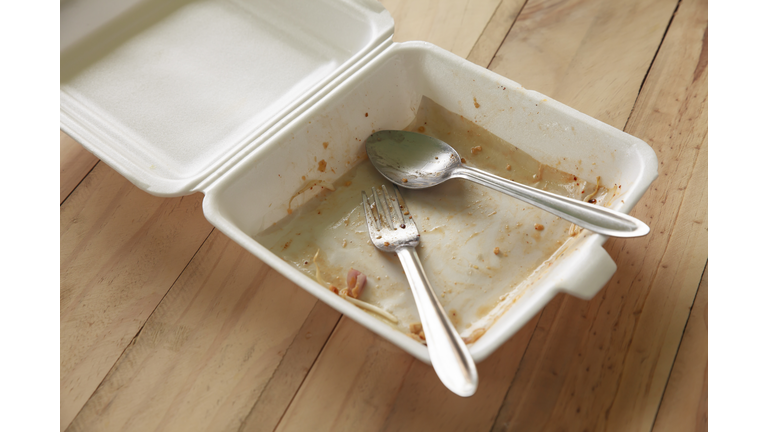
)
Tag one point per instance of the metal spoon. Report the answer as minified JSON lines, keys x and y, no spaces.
{"x":416,"y":161}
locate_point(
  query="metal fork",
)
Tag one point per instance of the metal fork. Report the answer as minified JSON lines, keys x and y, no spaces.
{"x":392,"y":229}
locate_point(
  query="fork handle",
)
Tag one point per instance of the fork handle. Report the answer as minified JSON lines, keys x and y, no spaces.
{"x":448,"y":353}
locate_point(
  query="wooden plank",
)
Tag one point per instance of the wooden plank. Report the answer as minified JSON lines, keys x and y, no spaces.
{"x":299,"y":358}
{"x":362,"y":382}
{"x":121,"y":250}
{"x":569,"y":49}
{"x":75,"y":163}
{"x":266,"y":388}
{"x":621,"y":345}
{"x":212,"y":348}
{"x":454,"y":25}
{"x":494,"y":33}
{"x":684,"y":406}
{"x":386,"y":381}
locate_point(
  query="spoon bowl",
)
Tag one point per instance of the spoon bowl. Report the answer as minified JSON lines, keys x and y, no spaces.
{"x":417,"y":161}
{"x":412,"y":160}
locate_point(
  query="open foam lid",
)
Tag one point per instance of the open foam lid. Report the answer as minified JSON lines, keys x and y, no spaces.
{"x":167,"y":91}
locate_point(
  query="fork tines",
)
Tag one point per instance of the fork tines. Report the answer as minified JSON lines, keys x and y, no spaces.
{"x":380,"y":210}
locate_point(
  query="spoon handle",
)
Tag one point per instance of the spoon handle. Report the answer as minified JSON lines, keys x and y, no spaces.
{"x":597,"y":219}
{"x":449,"y":355}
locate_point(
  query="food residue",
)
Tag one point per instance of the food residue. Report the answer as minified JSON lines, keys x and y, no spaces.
{"x":321,"y":165}
{"x":538,"y":227}
{"x":307,"y":186}
{"x":455,"y":245}
{"x":477,"y":105}
{"x":355,"y":283}
{"x":417,"y":330}
{"x":405,"y":180}
{"x":325,"y":144}
{"x":574,"y":230}
{"x":590,"y":197}
{"x":474,"y":336}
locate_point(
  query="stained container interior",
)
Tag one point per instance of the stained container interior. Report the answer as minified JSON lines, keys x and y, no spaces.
{"x":385,"y":94}
{"x":246,"y":101}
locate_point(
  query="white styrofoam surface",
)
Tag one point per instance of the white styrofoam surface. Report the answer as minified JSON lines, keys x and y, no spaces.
{"x":177,"y":94}
{"x":172,"y":90}
{"x":255,"y":193}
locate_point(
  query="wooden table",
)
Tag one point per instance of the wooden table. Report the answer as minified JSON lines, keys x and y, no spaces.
{"x":166,"y":324}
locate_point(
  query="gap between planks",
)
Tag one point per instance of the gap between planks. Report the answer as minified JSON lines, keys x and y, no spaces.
{"x":673,"y":392}
{"x":644,"y":76}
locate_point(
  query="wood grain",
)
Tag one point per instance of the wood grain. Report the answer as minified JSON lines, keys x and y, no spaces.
{"x":621,"y":345}
{"x":168,"y":325}
{"x":684,"y":406}
{"x":75,"y":163}
{"x":589,"y":54}
{"x":121,"y":250}
{"x":494,"y":33}
{"x":206,"y":355}
{"x":396,"y":406}
{"x":298,"y":360}
{"x":127,"y":396}
{"x":361,"y":379}
{"x":454,"y":25}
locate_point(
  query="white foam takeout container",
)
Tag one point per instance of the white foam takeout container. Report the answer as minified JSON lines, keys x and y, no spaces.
{"x":230,"y":98}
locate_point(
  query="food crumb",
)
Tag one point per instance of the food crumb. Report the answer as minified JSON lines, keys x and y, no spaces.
{"x":405,"y":180}
{"x":454,"y":317}
{"x":574,"y":230}
{"x":325,"y":145}
{"x":463,"y":160}
{"x":496,"y":251}
{"x":417,"y":330}
{"x":509,"y":167}
{"x":386,"y":243}
{"x":321,"y":165}
{"x":538,"y":227}
{"x":477,"y":149}
{"x":477,"y":334}
{"x":477,"y":105}
{"x":355,"y":283}
{"x":366,"y":114}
